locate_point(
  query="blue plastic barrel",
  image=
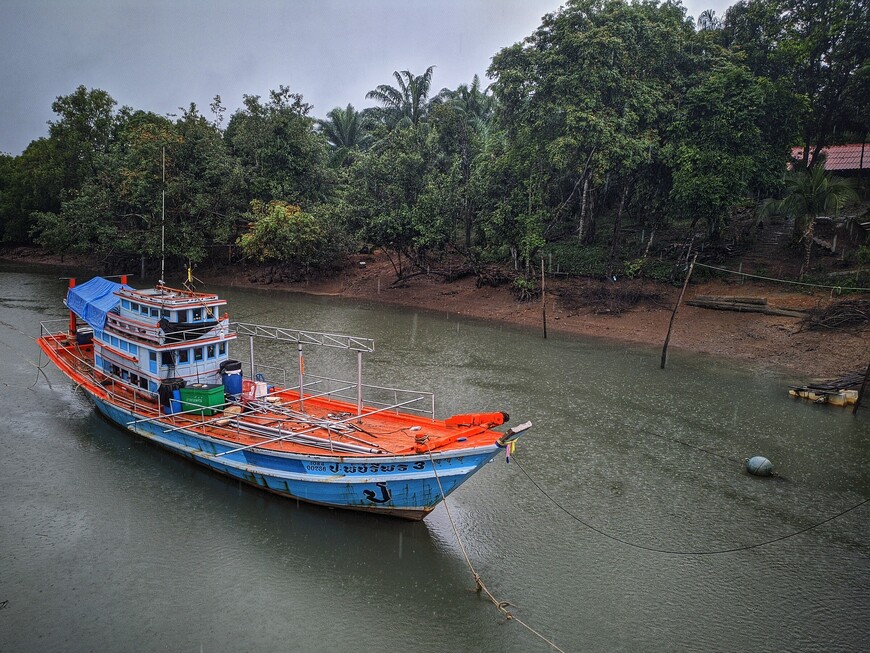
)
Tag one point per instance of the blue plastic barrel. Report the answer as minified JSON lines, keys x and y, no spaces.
{"x":175,"y":402}
{"x":231,"y":374}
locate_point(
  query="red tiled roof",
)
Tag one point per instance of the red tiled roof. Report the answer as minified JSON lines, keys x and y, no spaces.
{"x":840,"y":157}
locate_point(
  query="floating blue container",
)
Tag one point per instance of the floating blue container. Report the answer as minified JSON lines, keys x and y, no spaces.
{"x":759,"y":466}
{"x":231,"y":374}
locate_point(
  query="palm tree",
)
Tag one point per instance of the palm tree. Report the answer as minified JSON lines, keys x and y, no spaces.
{"x":709,"y":21}
{"x":476,"y":105}
{"x":474,"y":109}
{"x":404,"y":104}
{"x":345,"y":130}
{"x":809,"y":194}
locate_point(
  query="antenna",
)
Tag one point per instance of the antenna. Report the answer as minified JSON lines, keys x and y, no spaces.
{"x":163,"y":221}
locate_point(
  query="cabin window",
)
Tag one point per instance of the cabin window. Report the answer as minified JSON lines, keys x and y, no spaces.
{"x":209,"y":313}
{"x":98,"y":361}
{"x":124,"y":346}
{"x":143,"y":383}
{"x":114,"y":341}
{"x":143,"y":310}
{"x":125,"y":303}
{"x":152,"y":356}
{"x":166,"y":358}
{"x":197,"y":353}
{"x":183,"y":356}
{"x":182,"y":316}
{"x":197,"y":314}
{"x":222,"y":348}
{"x":134,"y":378}
{"x":115,"y":370}
{"x":210,"y":351}
{"x":155,"y":312}
{"x":134,"y":306}
{"x":164,"y":313}
{"x":134,"y":349}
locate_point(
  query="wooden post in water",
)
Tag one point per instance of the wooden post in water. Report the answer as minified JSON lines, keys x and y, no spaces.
{"x":861,"y":391}
{"x":674,"y":314}
{"x":543,"y":299}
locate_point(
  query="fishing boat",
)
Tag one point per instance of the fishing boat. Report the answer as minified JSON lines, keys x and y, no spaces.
{"x":157,"y":362}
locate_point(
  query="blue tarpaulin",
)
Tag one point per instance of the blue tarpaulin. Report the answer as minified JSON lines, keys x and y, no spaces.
{"x":93,"y":299}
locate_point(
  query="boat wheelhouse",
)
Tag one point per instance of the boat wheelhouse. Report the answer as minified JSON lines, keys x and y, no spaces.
{"x":143,"y":338}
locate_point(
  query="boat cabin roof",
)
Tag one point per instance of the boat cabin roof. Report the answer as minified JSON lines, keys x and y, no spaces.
{"x":166,"y":297}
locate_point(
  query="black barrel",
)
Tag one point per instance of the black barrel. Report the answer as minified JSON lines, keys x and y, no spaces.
{"x":167,"y":386}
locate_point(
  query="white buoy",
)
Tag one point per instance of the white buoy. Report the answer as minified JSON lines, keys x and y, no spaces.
{"x":759,"y":466}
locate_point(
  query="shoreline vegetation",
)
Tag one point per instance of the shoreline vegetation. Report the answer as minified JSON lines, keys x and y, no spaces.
{"x":613,"y":144}
{"x":627,"y":310}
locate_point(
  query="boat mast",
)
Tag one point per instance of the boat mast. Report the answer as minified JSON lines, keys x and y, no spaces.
{"x":163,"y":221}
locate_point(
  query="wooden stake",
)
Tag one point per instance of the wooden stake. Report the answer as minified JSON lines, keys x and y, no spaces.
{"x":543,"y":299}
{"x":861,"y":391}
{"x":674,"y":314}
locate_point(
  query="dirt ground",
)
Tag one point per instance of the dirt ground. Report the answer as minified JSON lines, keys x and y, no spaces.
{"x":623,"y":311}
{"x":591,"y":309}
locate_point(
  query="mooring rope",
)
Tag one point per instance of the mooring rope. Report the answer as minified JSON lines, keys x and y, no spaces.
{"x":795,"y":283}
{"x":39,"y":367}
{"x":501,"y":606}
{"x":675,"y":551}
{"x":690,"y":445}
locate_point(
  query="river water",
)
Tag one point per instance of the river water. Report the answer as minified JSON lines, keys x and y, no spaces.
{"x":108,"y":543}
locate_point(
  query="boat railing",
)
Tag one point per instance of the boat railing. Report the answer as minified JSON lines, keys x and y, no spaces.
{"x":139,"y":330}
{"x":299,"y":337}
{"x":374,"y":396}
{"x":53,"y":327}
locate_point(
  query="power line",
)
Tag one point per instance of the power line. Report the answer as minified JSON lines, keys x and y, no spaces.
{"x":795,"y":283}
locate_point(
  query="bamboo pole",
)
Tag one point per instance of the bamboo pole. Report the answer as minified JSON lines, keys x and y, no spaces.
{"x":674,"y":314}
{"x":543,"y":299}
{"x":861,"y":391}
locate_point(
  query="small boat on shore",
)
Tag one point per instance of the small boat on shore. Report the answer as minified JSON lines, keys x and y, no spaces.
{"x":157,"y":362}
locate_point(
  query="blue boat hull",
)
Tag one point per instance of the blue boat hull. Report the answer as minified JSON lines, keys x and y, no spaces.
{"x":402,"y":486}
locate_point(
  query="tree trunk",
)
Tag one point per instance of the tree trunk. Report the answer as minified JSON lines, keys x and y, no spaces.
{"x":617,"y":225}
{"x":583,"y":209}
{"x":808,"y":236}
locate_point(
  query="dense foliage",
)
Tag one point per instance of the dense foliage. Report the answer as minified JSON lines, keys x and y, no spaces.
{"x":613,"y":121}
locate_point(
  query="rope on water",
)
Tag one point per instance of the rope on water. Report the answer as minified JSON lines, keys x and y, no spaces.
{"x":794,"y":283}
{"x":501,"y":606}
{"x":674,"y":551}
{"x":39,"y":370}
{"x":39,"y":367}
{"x":690,"y":445}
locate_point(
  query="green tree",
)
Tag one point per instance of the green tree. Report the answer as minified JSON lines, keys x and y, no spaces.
{"x":406,"y":103}
{"x":280,"y":153}
{"x":462,"y":120}
{"x":346,"y":131}
{"x":722,"y":151}
{"x":82,"y":132}
{"x":282,"y":233}
{"x":206,"y":190}
{"x":814,"y":47}
{"x":385,"y":186}
{"x":586,"y":103}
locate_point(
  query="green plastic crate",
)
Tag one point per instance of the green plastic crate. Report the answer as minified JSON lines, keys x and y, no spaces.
{"x":207,"y":395}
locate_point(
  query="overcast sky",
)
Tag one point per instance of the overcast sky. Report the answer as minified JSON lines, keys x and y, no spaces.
{"x":158,"y":55}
